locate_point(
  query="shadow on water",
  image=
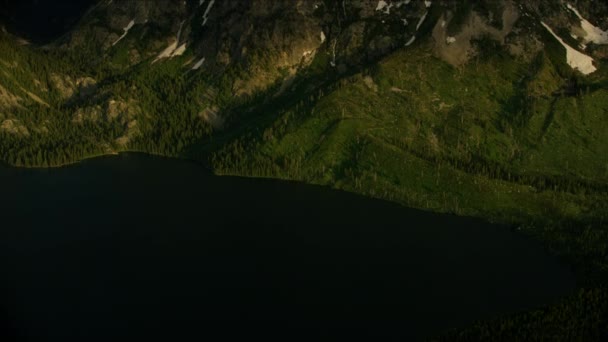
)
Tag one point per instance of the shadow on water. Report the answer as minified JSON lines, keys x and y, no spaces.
{"x":150,"y":247}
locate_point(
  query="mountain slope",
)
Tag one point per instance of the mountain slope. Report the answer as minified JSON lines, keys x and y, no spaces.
{"x":496,"y":109}
{"x":514,"y":119}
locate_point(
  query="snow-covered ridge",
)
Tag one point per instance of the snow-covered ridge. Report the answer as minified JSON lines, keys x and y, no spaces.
{"x":594,"y":34}
{"x":575,"y":59}
{"x":126,"y":29}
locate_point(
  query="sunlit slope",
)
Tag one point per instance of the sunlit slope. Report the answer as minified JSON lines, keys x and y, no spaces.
{"x":498,"y":136}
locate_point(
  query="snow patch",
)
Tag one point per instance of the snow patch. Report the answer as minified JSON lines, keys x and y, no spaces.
{"x":322,"y":36}
{"x":333,"y":53}
{"x":173,"y":49}
{"x":199,"y":64}
{"x":575,"y":59}
{"x":206,"y":14}
{"x":594,"y":34}
{"x":179,"y":51}
{"x":428,"y":3}
{"x":421,"y":21}
{"x":386,"y":7}
{"x":381,"y":5}
{"x":166,"y":52}
{"x":401,"y":3}
{"x":126,"y":29}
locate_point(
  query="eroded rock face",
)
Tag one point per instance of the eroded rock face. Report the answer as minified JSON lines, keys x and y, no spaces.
{"x":15,"y":127}
{"x":457,"y":48}
{"x":269,"y":40}
{"x":70,"y":88}
{"x":85,"y":114}
{"x":107,"y":20}
{"x":8,"y":99}
{"x":131,"y":131}
{"x":124,"y":112}
{"x":513,"y":24}
{"x":211,"y":116}
{"x":267,"y":43}
{"x":263,"y":36}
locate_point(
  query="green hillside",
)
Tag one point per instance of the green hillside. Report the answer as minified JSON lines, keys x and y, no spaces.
{"x":515,"y":138}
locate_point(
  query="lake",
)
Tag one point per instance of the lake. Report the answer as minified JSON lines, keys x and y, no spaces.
{"x":149,"y":247}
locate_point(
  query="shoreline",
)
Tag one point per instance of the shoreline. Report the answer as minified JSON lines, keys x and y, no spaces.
{"x":89,"y":157}
{"x":523,"y":227}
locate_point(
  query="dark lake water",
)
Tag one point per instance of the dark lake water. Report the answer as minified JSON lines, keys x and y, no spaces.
{"x":142,"y":246}
{"x":41,"y":21}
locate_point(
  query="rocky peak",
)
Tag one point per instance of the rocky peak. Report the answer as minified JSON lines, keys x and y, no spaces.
{"x":267,"y":42}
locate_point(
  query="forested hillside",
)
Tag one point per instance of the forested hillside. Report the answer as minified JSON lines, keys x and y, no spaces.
{"x":494,"y":109}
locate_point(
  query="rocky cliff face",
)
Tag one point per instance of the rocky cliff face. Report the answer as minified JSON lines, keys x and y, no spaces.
{"x":273,"y":39}
{"x":262,"y":43}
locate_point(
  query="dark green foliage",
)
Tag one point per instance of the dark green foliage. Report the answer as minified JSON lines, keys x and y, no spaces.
{"x":582,"y":317}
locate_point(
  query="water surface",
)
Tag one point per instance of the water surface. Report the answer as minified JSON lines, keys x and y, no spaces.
{"x":142,"y":246}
